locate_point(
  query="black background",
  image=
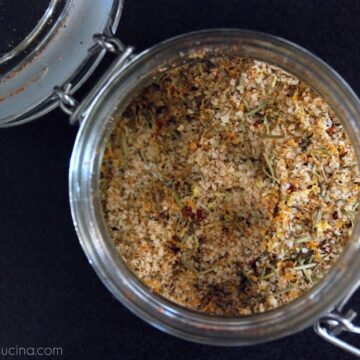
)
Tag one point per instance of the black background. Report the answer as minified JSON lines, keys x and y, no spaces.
{"x":49,"y":294}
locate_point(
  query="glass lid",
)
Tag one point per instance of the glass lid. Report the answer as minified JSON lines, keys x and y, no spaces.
{"x":51,"y":46}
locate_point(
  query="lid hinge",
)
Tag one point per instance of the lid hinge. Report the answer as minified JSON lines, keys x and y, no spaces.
{"x":67,"y":102}
{"x":109,"y":43}
{"x":106,"y":42}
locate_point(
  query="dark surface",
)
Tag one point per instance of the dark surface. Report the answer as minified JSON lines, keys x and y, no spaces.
{"x":49,"y":294}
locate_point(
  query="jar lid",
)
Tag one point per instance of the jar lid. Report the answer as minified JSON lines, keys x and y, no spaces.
{"x":59,"y":48}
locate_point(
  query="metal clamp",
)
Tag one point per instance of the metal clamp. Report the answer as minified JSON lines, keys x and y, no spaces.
{"x":123,"y":55}
{"x":103,"y":41}
{"x":109,"y":42}
{"x":67,"y":101}
{"x":333,"y":324}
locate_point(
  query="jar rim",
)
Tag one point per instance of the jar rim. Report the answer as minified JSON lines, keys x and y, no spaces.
{"x":89,"y":224}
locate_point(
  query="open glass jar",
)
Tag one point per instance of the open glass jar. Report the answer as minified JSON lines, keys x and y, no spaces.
{"x":322,"y":306}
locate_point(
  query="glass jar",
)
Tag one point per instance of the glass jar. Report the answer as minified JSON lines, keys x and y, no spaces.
{"x":97,"y":124}
{"x":30,"y":90}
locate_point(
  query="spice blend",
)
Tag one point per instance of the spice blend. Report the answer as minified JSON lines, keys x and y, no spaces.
{"x":229,"y":186}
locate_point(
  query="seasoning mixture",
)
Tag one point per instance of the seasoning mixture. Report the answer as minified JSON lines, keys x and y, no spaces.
{"x":229,"y":186}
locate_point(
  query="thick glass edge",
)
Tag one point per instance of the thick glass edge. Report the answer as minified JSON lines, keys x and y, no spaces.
{"x":172,"y":318}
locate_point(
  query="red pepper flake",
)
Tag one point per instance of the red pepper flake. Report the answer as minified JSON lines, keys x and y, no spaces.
{"x":335,"y":215}
{"x":291,"y":188}
{"x":258,"y":122}
{"x":187,"y":212}
{"x":199,"y":215}
{"x":331,"y":130}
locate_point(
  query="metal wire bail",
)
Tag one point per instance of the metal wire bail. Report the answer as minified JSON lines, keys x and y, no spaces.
{"x":67,"y":101}
{"x":333,"y":324}
{"x":109,"y":43}
{"x":102,"y":41}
